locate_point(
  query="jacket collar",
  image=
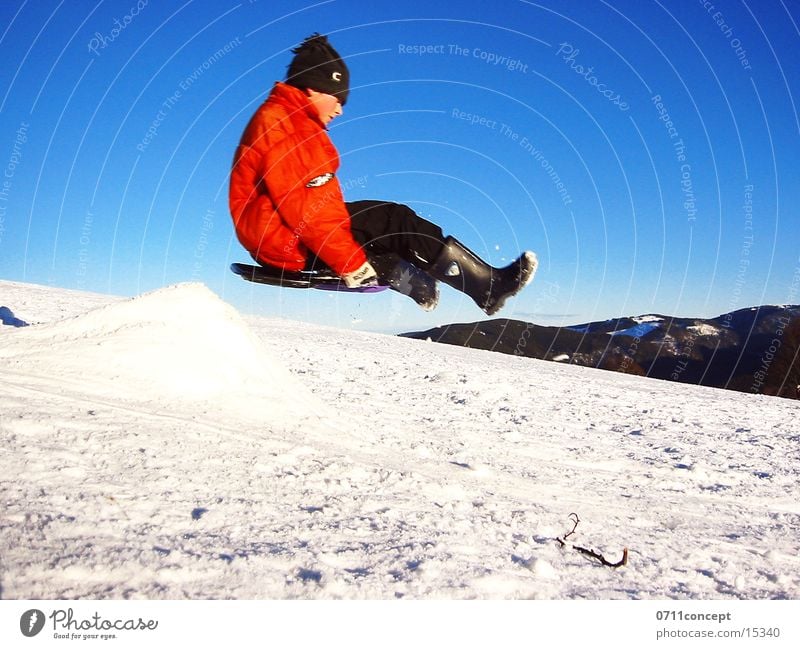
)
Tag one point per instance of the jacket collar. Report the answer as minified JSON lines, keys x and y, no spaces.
{"x":294,"y":100}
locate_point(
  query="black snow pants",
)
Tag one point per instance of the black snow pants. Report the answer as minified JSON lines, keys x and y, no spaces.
{"x":382,"y":227}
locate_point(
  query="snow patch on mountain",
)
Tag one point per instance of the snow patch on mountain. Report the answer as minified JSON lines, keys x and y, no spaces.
{"x":703,"y":329}
{"x":639,"y":331}
{"x":581,"y":329}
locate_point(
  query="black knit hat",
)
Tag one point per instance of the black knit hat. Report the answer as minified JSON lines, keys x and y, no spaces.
{"x":318,"y":66}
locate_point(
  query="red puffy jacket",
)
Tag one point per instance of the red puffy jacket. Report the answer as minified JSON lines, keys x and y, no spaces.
{"x":284,"y":197}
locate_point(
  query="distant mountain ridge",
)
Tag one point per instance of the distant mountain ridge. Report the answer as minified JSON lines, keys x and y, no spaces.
{"x":753,"y":350}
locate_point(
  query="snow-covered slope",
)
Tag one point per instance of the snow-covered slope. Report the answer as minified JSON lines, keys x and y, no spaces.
{"x":181,"y":344}
{"x":165,"y":447}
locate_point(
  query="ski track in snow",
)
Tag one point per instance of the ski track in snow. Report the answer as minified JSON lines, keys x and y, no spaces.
{"x":419,"y":470}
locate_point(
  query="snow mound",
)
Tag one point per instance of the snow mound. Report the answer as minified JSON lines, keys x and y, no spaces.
{"x":180,"y":342}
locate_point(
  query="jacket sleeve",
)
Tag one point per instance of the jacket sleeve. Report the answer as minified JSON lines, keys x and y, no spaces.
{"x":309,"y":199}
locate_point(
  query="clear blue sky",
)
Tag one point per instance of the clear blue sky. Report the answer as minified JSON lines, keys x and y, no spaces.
{"x":647,"y":151}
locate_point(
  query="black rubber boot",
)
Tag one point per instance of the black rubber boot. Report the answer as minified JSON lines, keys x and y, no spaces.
{"x":490,"y":287}
{"x":401,"y":276}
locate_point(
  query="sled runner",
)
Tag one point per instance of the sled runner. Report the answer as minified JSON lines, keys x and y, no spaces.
{"x":396,"y":273}
{"x":324,"y":280}
{"x":489,"y":287}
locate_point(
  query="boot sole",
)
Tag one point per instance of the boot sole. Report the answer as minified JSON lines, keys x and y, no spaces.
{"x":533,"y":265}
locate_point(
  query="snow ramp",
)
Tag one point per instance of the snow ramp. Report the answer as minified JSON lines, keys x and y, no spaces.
{"x":181,"y":344}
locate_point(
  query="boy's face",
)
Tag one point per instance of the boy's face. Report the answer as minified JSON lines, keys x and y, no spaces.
{"x":327,"y":106}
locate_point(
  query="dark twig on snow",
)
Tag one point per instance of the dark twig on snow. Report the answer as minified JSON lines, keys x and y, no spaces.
{"x":594,"y":555}
{"x":575,"y":520}
{"x":591,"y":553}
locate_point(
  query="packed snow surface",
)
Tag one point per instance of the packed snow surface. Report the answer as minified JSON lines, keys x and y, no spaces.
{"x":167,"y":447}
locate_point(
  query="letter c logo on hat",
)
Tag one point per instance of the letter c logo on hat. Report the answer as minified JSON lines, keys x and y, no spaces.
{"x":336,"y":76}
